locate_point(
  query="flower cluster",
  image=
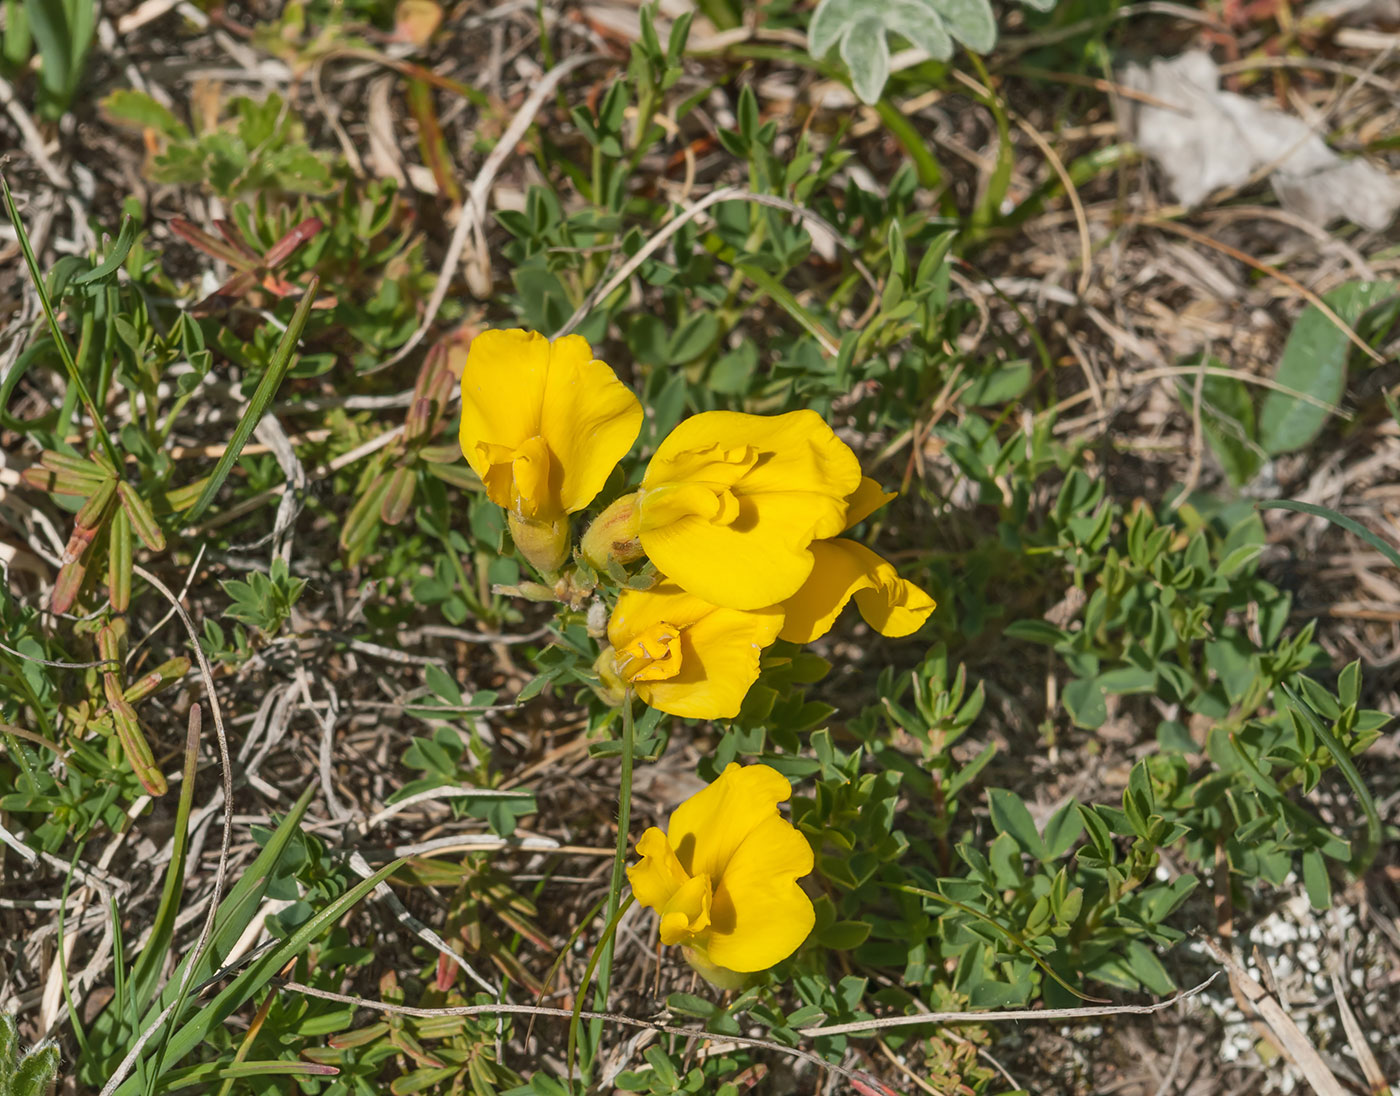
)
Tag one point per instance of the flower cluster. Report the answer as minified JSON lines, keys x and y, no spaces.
{"x":740,"y":514}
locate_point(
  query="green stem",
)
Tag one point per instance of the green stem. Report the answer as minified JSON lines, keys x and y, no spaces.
{"x":624,"y":819}
{"x":930,"y":171}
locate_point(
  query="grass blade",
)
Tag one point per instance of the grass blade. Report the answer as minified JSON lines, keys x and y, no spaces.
{"x":66,"y":354}
{"x":258,"y":974}
{"x":152,"y":958}
{"x":262,"y":396}
{"x":1381,"y":546}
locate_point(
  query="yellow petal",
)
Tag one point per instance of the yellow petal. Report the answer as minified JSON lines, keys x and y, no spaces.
{"x":713,"y":657}
{"x":688,"y":912}
{"x":894,"y":606}
{"x":503,"y":385}
{"x":760,"y":915}
{"x":730,"y":503}
{"x":659,"y":875}
{"x":640,"y":611}
{"x":532,"y":469}
{"x":846,"y":568}
{"x":865,"y":500}
{"x":655,"y":655}
{"x":710,"y":827}
{"x":589,"y":418}
{"x":840,"y":571}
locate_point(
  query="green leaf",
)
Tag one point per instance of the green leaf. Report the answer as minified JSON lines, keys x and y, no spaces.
{"x":1315,"y":880}
{"x":996,"y":386}
{"x":829,"y":23}
{"x":913,"y":20}
{"x":1148,"y":969}
{"x":1362,"y":857}
{"x":1037,"y":631}
{"x":1084,"y":701}
{"x":1062,"y":831}
{"x":844,"y":935}
{"x":861,"y":29}
{"x":36,"y":1071}
{"x":1314,"y":362}
{"x":1009,"y":815}
{"x":970,"y":22}
{"x":1227,"y":421}
{"x":115,"y":257}
{"x":139,"y":109}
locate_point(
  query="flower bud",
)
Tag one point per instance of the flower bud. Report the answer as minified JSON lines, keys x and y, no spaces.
{"x":614,"y":535}
{"x":530,"y":591}
{"x":545,"y":544}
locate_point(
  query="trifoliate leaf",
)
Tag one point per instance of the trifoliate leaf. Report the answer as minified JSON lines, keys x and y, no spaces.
{"x":911,"y":18}
{"x":860,"y":28}
{"x":867,"y":55}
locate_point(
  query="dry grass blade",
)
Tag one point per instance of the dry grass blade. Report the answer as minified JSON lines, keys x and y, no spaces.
{"x":1365,"y":1058}
{"x":1297,"y":1045}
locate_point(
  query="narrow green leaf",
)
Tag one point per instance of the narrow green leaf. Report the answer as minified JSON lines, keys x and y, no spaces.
{"x":142,"y":520}
{"x":139,"y":109}
{"x":152,"y":957}
{"x":115,"y":257}
{"x":257,"y":974}
{"x":1383,"y":547}
{"x":277,"y":369}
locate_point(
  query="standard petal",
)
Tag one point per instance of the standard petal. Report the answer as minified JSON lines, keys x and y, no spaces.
{"x":719,"y":661}
{"x":841,"y":569}
{"x":589,"y":418}
{"x":709,"y":827}
{"x":865,"y":500}
{"x":761,"y":559}
{"x":659,"y":875}
{"x":802,"y":455}
{"x":503,"y":385}
{"x":799,"y":442}
{"x":748,"y":547}
{"x":760,"y":915}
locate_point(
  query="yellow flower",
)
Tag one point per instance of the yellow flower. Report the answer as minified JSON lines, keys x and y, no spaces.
{"x":730,"y":503}
{"x":543,"y":425}
{"x":846,"y":568}
{"x":723,"y":877}
{"x":685,"y":656}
